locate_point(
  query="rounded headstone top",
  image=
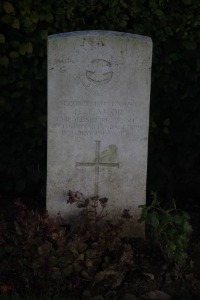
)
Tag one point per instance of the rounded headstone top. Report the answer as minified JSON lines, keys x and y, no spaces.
{"x":98,"y":33}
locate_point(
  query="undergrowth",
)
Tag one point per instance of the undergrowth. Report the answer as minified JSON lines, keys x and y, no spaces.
{"x":42,"y":255}
{"x":169,"y":228}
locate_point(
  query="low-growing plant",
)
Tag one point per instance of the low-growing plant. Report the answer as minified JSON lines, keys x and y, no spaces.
{"x":41,"y":254}
{"x":169,"y":228}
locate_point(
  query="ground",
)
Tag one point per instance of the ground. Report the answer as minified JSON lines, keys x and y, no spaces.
{"x":151,"y":272}
{"x":154,"y":273}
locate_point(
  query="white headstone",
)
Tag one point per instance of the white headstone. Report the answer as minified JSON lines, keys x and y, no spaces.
{"x":98,"y":118}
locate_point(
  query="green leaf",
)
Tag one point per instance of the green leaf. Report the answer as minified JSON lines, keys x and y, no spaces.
{"x":99,"y":277}
{"x":159,"y":13}
{"x":27,"y":22}
{"x":187,"y":228}
{"x":15,"y":44}
{"x":47,"y":17}
{"x":190,"y":45}
{"x":77,"y":268}
{"x":85,"y":275}
{"x":8,"y":7}
{"x":2,"y":101}
{"x":166,"y":130}
{"x":25,"y":10}
{"x":171,"y":246}
{"x":153,"y":124}
{"x":17,"y":228}
{"x":143,"y":213}
{"x":91,"y":253}
{"x":154,"y":219}
{"x":81,"y":256}
{"x":166,"y":122}
{"x":15,"y":23}
{"x":2,"y":38}
{"x":26,"y":48}
{"x":198,"y":65}
{"x":44,"y":34}
{"x":34,"y":17}
{"x":187,"y":2}
{"x":89,"y":263}
{"x":6,"y":19}
{"x":181,"y":256}
{"x":82,"y":247}
{"x":29,"y":47}
{"x":182,"y":239}
{"x":178,"y":219}
{"x":4,"y":61}
{"x":14,"y":54}
{"x":123,"y":23}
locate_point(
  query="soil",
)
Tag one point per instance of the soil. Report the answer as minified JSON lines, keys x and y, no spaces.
{"x":153,"y":273}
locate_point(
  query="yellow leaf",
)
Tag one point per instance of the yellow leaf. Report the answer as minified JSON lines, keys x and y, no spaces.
{"x":4,"y":61}
{"x":8,"y":7}
{"x":15,"y":23}
{"x":2,"y":38}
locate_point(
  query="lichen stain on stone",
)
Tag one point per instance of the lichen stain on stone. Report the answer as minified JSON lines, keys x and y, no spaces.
{"x":109,"y":154}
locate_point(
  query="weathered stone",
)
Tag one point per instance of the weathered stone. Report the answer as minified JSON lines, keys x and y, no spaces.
{"x":98,"y":117}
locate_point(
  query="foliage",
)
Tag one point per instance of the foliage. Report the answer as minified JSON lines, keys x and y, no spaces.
{"x":169,"y":228}
{"x":40,"y":254}
{"x":175,"y":109}
{"x":32,"y":297}
{"x":25,"y":26}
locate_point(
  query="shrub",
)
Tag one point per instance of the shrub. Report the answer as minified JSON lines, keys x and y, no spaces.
{"x":169,"y":228}
{"x":41,"y":254}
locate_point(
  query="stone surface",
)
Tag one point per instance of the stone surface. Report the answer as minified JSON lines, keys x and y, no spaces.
{"x":98,"y":117}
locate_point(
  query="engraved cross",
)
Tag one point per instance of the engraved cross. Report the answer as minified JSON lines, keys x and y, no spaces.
{"x":97,"y":164}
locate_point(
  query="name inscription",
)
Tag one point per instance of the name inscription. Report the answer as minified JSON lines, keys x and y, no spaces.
{"x":88,"y":118}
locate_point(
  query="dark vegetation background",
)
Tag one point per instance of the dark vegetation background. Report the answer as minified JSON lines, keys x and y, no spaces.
{"x":174,"y":139}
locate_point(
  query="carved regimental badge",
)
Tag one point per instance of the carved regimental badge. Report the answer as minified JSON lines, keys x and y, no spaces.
{"x":99,"y":71}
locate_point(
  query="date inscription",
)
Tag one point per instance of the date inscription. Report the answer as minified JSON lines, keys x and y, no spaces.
{"x":87,"y":118}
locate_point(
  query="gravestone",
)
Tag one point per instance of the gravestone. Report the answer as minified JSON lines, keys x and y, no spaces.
{"x":98,"y":118}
